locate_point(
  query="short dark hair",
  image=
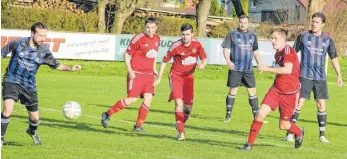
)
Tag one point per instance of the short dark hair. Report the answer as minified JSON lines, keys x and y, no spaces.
{"x":38,"y":25}
{"x":186,"y":27}
{"x":319,"y":15}
{"x":151,"y":20}
{"x":243,"y":17}
{"x":282,"y":32}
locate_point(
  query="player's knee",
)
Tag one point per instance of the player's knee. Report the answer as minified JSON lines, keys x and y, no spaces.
{"x":233,"y":91}
{"x":284,"y":125}
{"x":34,"y":119}
{"x":147,"y":103}
{"x":129,"y":101}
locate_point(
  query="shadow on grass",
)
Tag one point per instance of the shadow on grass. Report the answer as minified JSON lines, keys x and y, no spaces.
{"x":54,"y":123}
{"x":236,"y":145}
{"x":136,"y":108}
{"x":312,"y":121}
{"x":12,"y":143}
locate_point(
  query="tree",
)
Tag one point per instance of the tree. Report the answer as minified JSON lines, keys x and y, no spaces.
{"x":239,"y":6}
{"x":214,"y":10}
{"x":314,"y":6}
{"x":202,"y":10}
{"x":124,"y":8}
{"x":101,"y":14}
{"x":222,"y":8}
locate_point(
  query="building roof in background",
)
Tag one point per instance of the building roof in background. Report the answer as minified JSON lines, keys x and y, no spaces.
{"x":304,"y":3}
{"x":333,"y":5}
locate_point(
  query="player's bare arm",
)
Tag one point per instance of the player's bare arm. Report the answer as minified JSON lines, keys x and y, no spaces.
{"x":128,"y":65}
{"x":230,"y":64}
{"x":257,"y":56}
{"x":286,"y":69}
{"x":336,"y":65}
{"x":203,"y":64}
{"x":161,"y":72}
{"x":74,"y":68}
{"x":155,"y":72}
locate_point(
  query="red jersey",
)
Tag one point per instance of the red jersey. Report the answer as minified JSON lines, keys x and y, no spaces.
{"x":185,"y":57}
{"x":287,"y":83}
{"x":144,"y":50}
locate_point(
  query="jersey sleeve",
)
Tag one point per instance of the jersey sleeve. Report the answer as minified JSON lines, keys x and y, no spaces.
{"x":202,"y":53}
{"x":227,"y":41}
{"x":255,"y":44}
{"x":133,"y":46}
{"x":289,"y":56}
{"x":50,"y":60}
{"x":332,"y":50}
{"x":9,"y":48}
{"x":298,"y":43}
{"x":170,"y":53}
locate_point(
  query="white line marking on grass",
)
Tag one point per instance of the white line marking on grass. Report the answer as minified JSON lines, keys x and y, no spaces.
{"x":206,"y":134}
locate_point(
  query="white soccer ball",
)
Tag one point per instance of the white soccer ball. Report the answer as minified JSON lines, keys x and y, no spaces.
{"x":71,"y":110}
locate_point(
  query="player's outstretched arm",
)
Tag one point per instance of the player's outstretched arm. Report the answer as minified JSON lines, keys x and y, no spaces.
{"x":286,"y":69}
{"x":74,"y":68}
{"x":336,"y":65}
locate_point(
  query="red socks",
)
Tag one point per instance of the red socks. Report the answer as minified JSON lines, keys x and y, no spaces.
{"x":294,"y":129}
{"x":117,"y":107}
{"x":143,"y":111}
{"x":255,"y":128}
{"x":180,"y":121}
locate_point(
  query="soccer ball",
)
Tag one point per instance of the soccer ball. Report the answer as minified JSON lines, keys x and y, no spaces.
{"x":71,"y":110}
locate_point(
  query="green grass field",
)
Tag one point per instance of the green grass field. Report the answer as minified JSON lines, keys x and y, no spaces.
{"x":100,"y":84}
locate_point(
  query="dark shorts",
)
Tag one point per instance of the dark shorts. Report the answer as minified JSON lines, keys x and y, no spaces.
{"x":15,"y":91}
{"x":319,"y":88}
{"x":236,"y":79}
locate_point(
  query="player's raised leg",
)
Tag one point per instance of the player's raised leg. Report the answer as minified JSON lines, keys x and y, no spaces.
{"x":120,"y":105}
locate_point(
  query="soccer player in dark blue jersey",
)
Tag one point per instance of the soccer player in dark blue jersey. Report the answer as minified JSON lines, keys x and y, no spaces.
{"x":314,"y":45}
{"x":239,"y":47}
{"x":19,"y":80}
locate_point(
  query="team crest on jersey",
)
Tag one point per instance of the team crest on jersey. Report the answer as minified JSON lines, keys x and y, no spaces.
{"x":324,"y":44}
{"x":194,"y":50}
{"x":146,"y":44}
{"x":182,"y":53}
{"x":250,"y":41}
{"x":309,"y":43}
{"x":21,"y":54}
{"x":239,"y":41}
{"x":38,"y":60}
{"x":156,"y":44}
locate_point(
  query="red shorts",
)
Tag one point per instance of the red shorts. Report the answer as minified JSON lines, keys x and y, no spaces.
{"x":142,"y":83}
{"x":182,"y":87}
{"x":286,"y":102}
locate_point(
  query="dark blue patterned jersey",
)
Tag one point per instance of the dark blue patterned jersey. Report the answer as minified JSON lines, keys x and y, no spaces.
{"x":313,"y":51}
{"x":241,"y":45}
{"x":25,"y":61}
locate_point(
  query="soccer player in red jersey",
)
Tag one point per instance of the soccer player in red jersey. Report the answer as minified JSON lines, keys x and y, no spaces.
{"x":143,"y":50}
{"x":284,"y":92}
{"x":185,"y":53}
